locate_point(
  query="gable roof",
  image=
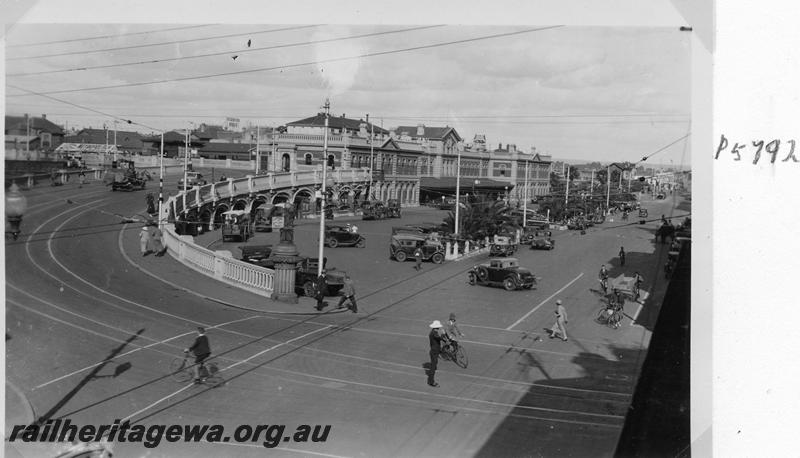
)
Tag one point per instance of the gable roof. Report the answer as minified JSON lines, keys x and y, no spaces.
{"x":18,"y":122}
{"x":393,"y":143}
{"x":125,"y":139}
{"x":436,"y":133}
{"x":214,"y":147}
{"x":337,"y":123}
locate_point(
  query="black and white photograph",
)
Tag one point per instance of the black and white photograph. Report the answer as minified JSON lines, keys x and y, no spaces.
{"x":372,"y":230}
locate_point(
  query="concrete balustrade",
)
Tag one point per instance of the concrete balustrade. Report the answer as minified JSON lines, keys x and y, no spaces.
{"x":220,"y":264}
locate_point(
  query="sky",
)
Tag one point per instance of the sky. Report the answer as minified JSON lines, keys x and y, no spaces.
{"x":577,"y":92}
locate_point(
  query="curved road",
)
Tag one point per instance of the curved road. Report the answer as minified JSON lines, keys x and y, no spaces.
{"x":92,"y":327}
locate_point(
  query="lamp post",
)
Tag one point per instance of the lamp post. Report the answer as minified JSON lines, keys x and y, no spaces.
{"x":458,"y":189}
{"x":525,"y":201}
{"x":161,"y":184}
{"x":16,"y":205}
{"x":258,"y":151}
{"x":608,"y":187}
{"x":322,"y":201}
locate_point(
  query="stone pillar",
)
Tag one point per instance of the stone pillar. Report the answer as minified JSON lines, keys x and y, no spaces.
{"x":285,"y":257}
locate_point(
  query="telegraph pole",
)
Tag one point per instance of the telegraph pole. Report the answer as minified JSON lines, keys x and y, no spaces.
{"x":322,"y":201}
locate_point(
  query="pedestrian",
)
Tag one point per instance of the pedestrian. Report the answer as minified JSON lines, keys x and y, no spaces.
{"x":158,"y":242}
{"x":637,"y":284}
{"x":349,"y":293}
{"x":320,"y":289}
{"x":559,"y":327}
{"x":81,"y":178}
{"x":621,"y":256}
{"x":144,"y":240}
{"x":418,"y":258}
{"x":435,"y":340}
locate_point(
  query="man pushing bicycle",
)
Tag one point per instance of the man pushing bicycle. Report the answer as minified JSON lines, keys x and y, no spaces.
{"x":202,"y":350}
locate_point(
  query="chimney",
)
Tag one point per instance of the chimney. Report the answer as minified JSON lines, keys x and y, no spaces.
{"x":512,"y":148}
{"x":44,"y":116}
{"x":499,"y":146}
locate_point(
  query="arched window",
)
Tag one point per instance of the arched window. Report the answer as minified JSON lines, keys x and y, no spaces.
{"x":308,"y":158}
{"x":286,"y":162}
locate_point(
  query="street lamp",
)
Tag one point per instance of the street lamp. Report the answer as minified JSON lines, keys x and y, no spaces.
{"x":323,"y":191}
{"x":16,"y":205}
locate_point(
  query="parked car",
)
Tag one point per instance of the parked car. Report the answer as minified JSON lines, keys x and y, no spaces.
{"x":393,"y":208}
{"x":306,"y":277}
{"x":541,"y":240}
{"x":403,"y":245}
{"x":237,"y":226}
{"x":502,"y":245}
{"x":504,"y":272}
{"x":192,"y":179}
{"x":258,"y":255}
{"x":341,"y":236}
{"x":661,"y":195}
{"x":306,"y":274}
{"x":373,"y":210}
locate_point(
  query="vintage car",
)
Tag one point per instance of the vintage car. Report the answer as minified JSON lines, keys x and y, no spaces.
{"x":393,"y":208}
{"x":642,"y":213}
{"x":127,"y":182}
{"x":342,"y":236}
{"x":237,"y":226}
{"x":661,"y":195}
{"x":502,"y":245}
{"x":306,"y":274}
{"x":542,"y":240}
{"x":258,"y":255}
{"x":504,"y":272}
{"x":403,"y":246}
{"x":192,"y":179}
{"x":305,"y":279}
{"x":373,"y":210}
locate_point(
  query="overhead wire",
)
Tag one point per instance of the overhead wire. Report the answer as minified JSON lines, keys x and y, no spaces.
{"x":302,"y":64}
{"x":148,"y":45}
{"x":224,"y":53}
{"x":116,"y":35}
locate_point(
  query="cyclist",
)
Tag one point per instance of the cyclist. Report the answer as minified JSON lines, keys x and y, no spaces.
{"x":603,"y":278}
{"x":202,"y":350}
{"x":451,"y":334}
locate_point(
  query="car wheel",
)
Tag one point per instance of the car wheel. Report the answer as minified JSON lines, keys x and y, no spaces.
{"x":483,"y":273}
{"x":437,"y":258}
{"x":472,"y":279}
{"x":509,"y":284}
{"x":361,"y":243}
{"x":308,"y":289}
{"x":400,"y":256}
{"x":333,"y":243}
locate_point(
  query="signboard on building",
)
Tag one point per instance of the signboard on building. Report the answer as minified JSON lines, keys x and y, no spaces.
{"x":232,"y":123}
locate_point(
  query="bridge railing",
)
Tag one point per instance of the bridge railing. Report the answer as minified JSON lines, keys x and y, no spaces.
{"x":220,"y":264}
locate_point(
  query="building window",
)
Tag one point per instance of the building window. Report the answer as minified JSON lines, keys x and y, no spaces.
{"x":308,"y":158}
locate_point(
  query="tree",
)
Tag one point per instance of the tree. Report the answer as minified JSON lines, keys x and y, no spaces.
{"x":574,"y":173}
{"x":482,"y":219}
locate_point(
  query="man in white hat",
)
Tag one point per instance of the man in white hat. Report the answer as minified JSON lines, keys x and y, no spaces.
{"x":435,"y":339}
{"x":559,"y":327}
{"x":144,"y":239}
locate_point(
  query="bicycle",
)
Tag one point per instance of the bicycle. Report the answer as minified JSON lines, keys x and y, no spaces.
{"x":182,"y":370}
{"x":610,"y":315}
{"x":456,"y":355}
{"x":604,"y":284}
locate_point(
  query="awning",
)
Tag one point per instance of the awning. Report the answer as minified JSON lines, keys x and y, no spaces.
{"x":467,"y":184}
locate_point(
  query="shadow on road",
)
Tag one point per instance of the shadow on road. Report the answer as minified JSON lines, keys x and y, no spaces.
{"x":575,"y":417}
{"x":89,"y":377}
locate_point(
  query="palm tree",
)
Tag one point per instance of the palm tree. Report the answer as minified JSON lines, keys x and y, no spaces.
{"x":482,"y":219}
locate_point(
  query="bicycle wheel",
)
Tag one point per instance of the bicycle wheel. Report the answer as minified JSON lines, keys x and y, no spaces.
{"x":602,"y":316}
{"x":615,"y":320}
{"x":461,"y":357}
{"x":180,"y":370}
